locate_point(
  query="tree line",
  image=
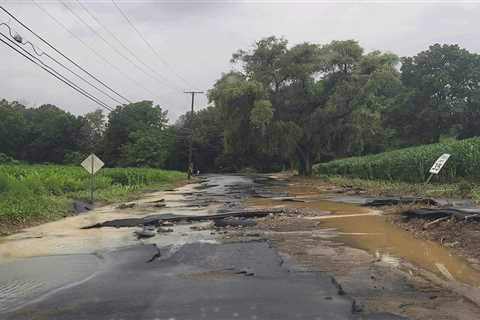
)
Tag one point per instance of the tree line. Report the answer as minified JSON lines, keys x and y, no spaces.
{"x":280,"y":106}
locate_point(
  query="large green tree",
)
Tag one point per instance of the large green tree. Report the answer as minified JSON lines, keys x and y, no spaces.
{"x":13,"y":129}
{"x":52,"y":134}
{"x":124,"y":130}
{"x":441,"y":97}
{"x":307,"y":102}
{"x":205,"y":129}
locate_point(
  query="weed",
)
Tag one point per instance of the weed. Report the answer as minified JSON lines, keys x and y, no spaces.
{"x":44,"y":192}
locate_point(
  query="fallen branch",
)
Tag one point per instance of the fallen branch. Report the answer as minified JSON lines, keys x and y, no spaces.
{"x":472,"y":216}
{"x":394,"y":201}
{"x":434,"y":222}
{"x":436,"y":213}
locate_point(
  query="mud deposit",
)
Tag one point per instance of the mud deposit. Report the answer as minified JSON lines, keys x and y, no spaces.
{"x":460,"y":236}
{"x":367,"y":229}
{"x":385,"y":267}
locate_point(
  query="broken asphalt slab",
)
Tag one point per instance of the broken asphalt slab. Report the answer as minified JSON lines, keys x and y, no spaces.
{"x":394,"y":201}
{"x":246,"y":280}
{"x":234,"y":222}
{"x":81,"y":207}
{"x":438,"y":213}
{"x":158,"y":219}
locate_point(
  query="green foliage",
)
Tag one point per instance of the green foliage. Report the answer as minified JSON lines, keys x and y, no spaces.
{"x":145,"y":148}
{"x":235,"y":97}
{"x":465,"y":188}
{"x":441,"y":97}
{"x":342,"y":56}
{"x":387,"y":188}
{"x":92,"y":130}
{"x":286,"y":106}
{"x":29,"y":192}
{"x":411,"y":164}
{"x":123,"y":135}
{"x":4,"y":159}
{"x":206,"y":129}
{"x":44,"y":134}
{"x":306,"y":102}
{"x":261,"y":114}
{"x":13,"y":129}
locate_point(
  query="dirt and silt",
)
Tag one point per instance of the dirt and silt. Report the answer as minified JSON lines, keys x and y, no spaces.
{"x":316,"y":255}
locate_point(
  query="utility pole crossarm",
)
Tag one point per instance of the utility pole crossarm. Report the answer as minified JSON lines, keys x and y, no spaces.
{"x":190,"y":144}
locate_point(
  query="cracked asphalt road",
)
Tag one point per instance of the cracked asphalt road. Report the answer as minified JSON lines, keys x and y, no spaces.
{"x":199,"y":281}
{"x":178,"y":277}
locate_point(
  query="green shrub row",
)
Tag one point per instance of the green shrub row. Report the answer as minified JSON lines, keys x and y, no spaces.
{"x":411,"y":164}
{"x":29,"y":191}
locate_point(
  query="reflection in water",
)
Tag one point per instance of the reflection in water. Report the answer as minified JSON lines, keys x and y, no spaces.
{"x":363,"y":228}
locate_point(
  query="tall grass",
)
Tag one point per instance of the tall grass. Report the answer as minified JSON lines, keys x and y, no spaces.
{"x":45,"y":192}
{"x":411,"y":164}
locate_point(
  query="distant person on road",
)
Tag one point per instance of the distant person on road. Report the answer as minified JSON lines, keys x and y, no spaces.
{"x":190,"y":170}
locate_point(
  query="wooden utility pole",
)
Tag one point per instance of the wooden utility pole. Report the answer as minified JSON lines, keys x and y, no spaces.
{"x":190,"y":144}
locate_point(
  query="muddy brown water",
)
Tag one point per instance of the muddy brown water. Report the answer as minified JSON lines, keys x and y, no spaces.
{"x":65,"y":236}
{"x":367,"y":229}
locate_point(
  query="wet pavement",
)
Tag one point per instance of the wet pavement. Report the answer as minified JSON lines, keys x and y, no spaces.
{"x":319,"y":264}
{"x":199,"y":281}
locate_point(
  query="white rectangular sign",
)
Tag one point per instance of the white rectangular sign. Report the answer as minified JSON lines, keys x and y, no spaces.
{"x":92,"y":164}
{"x":438,"y":165}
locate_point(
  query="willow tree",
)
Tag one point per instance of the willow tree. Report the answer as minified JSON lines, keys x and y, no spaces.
{"x":307,"y":102}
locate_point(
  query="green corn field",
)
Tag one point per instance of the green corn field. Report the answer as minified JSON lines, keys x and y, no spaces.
{"x":411,"y":164}
{"x":45,"y":192}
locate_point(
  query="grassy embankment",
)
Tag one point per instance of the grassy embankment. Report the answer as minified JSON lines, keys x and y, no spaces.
{"x":32,"y":194}
{"x":404,"y":171}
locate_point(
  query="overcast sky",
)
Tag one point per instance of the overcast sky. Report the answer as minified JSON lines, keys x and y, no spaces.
{"x":195,"y":40}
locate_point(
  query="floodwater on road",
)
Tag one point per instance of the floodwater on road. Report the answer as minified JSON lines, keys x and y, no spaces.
{"x":55,"y":256}
{"x":38,"y":263}
{"x":65,"y":236}
{"x":365,"y":228}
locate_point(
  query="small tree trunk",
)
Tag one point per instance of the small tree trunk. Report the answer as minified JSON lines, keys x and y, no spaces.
{"x":308,"y":164}
{"x":305,"y":162}
{"x":301,"y":166}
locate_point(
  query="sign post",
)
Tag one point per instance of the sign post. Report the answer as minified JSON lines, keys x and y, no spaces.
{"x":437,"y":166}
{"x":92,"y":164}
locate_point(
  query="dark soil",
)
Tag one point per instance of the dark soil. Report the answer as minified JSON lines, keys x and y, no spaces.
{"x":462,"y":236}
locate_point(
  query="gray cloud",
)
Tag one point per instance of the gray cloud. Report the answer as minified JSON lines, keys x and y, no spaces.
{"x":197,"y":38}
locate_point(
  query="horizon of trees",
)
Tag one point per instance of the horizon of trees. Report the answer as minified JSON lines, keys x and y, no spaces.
{"x":283,"y":107}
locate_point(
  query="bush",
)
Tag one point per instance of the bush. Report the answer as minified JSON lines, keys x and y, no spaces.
{"x":465,"y":188}
{"x":411,"y":164}
{"x":42,"y":191}
{"x":4,"y":159}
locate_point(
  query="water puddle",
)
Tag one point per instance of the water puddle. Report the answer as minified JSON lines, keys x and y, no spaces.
{"x":24,"y":279}
{"x":367,"y":229}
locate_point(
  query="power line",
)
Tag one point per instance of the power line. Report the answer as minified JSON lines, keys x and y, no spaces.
{"x":58,"y":76}
{"x":149,"y":45}
{"x":100,"y":23}
{"x":59,"y":52}
{"x":42,"y":53}
{"x":95,"y":52}
{"x":110,"y":45}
